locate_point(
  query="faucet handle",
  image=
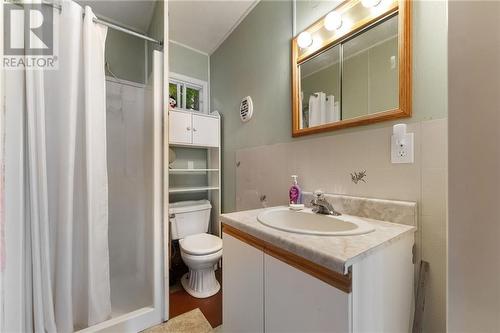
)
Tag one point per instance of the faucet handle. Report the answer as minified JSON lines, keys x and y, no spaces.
{"x":319,"y":194}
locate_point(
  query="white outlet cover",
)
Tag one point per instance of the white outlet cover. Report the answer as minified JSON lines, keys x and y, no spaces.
{"x":402,"y":153}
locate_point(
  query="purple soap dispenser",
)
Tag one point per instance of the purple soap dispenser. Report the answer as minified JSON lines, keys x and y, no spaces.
{"x":295,"y":193}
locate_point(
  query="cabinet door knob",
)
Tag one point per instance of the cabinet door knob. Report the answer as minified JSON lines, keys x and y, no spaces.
{"x":194,"y":129}
{"x":188,"y":128}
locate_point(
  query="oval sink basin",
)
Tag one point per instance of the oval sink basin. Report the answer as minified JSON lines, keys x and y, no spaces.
{"x":307,"y":222}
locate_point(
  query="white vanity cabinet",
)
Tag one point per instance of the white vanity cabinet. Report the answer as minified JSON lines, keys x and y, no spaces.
{"x":243,"y":286}
{"x":188,"y":128}
{"x":298,"y":302}
{"x":266,"y":291}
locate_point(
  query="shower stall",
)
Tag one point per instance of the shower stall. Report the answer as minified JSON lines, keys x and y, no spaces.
{"x":81,"y":237}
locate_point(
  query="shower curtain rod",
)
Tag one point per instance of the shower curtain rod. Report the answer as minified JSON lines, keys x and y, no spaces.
{"x":103,"y":22}
{"x":127,"y":31}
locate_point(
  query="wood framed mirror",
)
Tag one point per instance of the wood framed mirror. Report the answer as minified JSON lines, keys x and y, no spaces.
{"x":353,"y":67}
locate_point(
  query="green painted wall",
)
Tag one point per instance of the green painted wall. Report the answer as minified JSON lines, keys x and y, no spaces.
{"x":255,"y":60}
{"x":183,"y":60}
{"x":326,"y":80}
{"x":383,"y":80}
{"x":155,"y":30}
{"x":309,"y":11}
{"x":354,"y":85}
{"x":368,"y":83}
{"x":125,"y":55}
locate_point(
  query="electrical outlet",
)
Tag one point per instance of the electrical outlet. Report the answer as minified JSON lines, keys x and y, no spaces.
{"x":402,"y":148}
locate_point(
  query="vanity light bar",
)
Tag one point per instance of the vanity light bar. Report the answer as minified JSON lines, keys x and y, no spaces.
{"x":304,"y":39}
{"x":333,"y":21}
{"x":370,"y":3}
{"x":350,"y":16}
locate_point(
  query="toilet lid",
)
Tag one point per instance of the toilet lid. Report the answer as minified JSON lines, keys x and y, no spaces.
{"x":201,"y":244}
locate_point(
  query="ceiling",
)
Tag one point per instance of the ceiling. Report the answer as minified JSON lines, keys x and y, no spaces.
{"x":135,"y":14}
{"x":204,"y":25}
{"x":200,"y":24}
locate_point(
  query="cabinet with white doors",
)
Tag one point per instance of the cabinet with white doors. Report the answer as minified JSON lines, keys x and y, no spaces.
{"x":192,"y":129}
{"x":265,"y":290}
{"x":194,"y":138}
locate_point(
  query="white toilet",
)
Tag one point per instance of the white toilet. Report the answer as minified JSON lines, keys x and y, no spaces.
{"x":200,"y":251}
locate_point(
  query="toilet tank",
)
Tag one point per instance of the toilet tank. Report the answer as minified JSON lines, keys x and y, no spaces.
{"x":189,"y":218}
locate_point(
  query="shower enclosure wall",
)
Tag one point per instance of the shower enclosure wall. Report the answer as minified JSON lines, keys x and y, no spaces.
{"x":133,"y":122}
{"x":130,"y":166}
{"x":130,"y":232}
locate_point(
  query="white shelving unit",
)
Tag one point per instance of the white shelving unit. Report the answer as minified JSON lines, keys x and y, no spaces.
{"x":192,"y":130}
{"x":192,"y":189}
{"x":192,"y":170}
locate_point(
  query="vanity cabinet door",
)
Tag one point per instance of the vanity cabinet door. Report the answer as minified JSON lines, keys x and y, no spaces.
{"x":180,"y":127}
{"x":205,"y":131}
{"x":298,"y":302}
{"x":243,"y":287}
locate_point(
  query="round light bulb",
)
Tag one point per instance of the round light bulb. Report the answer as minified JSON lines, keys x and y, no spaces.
{"x":333,"y":21}
{"x":370,"y":3}
{"x":304,"y":39}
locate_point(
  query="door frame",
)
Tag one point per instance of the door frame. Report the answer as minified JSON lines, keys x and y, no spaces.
{"x":166,"y":221}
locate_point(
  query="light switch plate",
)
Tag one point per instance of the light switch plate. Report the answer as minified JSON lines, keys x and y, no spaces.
{"x":402,"y":150}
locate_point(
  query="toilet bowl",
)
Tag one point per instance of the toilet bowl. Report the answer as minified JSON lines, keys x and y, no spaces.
{"x":200,"y":251}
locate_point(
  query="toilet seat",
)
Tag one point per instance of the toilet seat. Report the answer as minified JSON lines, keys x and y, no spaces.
{"x":200,"y":244}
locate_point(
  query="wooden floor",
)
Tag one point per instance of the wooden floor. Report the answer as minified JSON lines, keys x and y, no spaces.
{"x":211,"y":307}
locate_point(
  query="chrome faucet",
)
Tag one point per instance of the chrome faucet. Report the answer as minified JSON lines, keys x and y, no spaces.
{"x":321,"y":206}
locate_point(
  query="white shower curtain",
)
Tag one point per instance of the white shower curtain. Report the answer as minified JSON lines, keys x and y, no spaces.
{"x":56,"y":276}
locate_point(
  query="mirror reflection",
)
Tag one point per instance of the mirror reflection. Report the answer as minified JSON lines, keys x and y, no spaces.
{"x":356,"y":78}
{"x":320,"y":88}
{"x":370,"y":71}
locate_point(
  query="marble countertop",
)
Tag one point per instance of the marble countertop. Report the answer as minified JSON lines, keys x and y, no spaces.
{"x":337,"y":253}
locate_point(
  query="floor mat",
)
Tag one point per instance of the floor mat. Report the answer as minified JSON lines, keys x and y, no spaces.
{"x":190,"y":322}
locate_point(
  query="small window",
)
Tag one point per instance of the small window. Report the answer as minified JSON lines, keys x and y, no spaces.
{"x":187,"y":93}
{"x":193,"y":98}
{"x":175,"y":93}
